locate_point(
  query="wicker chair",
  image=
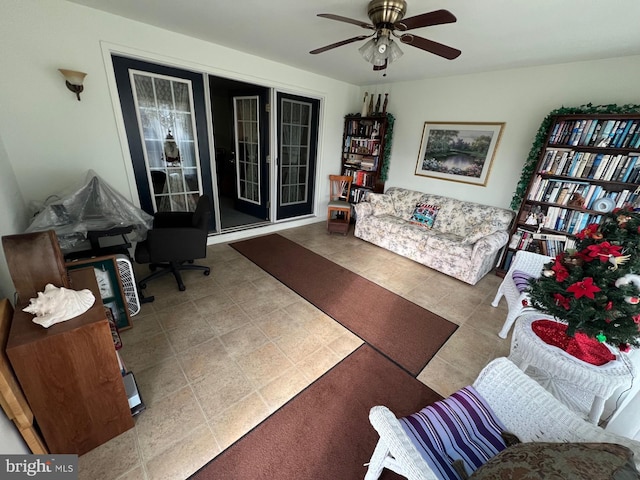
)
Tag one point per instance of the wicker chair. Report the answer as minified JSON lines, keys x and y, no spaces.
{"x":527,"y":262}
{"x":525,"y":408}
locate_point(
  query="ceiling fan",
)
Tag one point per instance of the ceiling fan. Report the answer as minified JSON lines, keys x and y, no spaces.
{"x":387,"y":17}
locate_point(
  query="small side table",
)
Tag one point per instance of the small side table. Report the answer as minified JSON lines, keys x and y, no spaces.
{"x":572,"y":381}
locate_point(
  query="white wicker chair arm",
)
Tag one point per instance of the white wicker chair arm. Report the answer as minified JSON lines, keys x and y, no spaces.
{"x":409,"y":462}
{"x":533,"y":414}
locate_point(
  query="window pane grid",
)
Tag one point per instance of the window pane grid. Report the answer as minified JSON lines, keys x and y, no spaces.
{"x":294,"y":151}
{"x":248,"y":148}
{"x":164,"y":107}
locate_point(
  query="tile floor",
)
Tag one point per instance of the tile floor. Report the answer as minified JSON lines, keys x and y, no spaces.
{"x":214,"y":361}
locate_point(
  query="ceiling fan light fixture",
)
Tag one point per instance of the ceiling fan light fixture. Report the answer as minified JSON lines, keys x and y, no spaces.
{"x":368,"y":50}
{"x":393,"y":52}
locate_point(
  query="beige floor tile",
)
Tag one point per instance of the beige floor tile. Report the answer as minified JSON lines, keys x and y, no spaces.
{"x":299,"y":343}
{"x":325,"y":328}
{"x":137,"y":473}
{"x":99,"y":464}
{"x":190,"y":335}
{"x":218,"y":301}
{"x":144,"y":326}
{"x":284,"y":388}
{"x":445,"y":378}
{"x":237,"y":420}
{"x":228,"y":319}
{"x":184,"y":458}
{"x":203,"y":359}
{"x":146,"y":352}
{"x":264,"y":364}
{"x":318,"y":363}
{"x":167,"y":421}
{"x":275,"y":324}
{"x":160,"y":380}
{"x":221,"y":388}
{"x":345,"y":344}
{"x":259,"y":305}
{"x":243,"y":340}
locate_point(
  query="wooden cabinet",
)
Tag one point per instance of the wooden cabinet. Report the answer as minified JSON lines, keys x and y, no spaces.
{"x":588,"y":165}
{"x":70,"y":375}
{"x":365,"y":150}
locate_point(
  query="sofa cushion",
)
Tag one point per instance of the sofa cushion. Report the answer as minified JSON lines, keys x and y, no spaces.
{"x":449,"y":243}
{"x":461,"y":427}
{"x":424,"y":215}
{"x":567,"y":461}
{"x":404,"y":201}
{"x":480,"y":230}
{"x":382,"y":204}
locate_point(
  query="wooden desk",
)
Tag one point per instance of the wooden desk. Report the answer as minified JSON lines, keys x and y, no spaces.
{"x":70,"y":375}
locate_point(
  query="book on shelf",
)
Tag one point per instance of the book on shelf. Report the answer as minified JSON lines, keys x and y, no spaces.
{"x":595,"y":135}
{"x":622,"y":133}
{"x":627,"y":139}
{"x":590,"y":131}
{"x":586,"y":160}
{"x":632,"y":163}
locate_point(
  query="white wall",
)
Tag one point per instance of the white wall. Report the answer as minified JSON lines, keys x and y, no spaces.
{"x":521,"y":98}
{"x":13,"y":217}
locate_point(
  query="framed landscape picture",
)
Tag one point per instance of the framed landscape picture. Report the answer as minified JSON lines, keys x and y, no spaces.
{"x":459,"y":152}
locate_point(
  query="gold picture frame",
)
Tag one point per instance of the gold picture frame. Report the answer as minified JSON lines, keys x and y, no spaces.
{"x":458,"y":152}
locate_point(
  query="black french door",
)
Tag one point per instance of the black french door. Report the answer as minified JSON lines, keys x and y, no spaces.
{"x":165,"y":119}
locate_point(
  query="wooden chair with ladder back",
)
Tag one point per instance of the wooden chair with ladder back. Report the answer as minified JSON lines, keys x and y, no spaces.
{"x":339,"y":208}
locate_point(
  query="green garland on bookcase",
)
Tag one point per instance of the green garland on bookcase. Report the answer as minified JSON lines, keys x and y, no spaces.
{"x":386,"y":155}
{"x":541,"y":136}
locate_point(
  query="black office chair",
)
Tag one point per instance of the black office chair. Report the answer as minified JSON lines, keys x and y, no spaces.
{"x":174,"y":242}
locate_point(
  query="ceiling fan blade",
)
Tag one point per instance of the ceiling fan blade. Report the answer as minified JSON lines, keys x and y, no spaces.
{"x":437,"y":17}
{"x":338,"y":44}
{"x":340,"y":18}
{"x":430,"y":46}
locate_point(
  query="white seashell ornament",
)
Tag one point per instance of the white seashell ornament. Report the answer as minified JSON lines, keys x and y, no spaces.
{"x":58,"y":304}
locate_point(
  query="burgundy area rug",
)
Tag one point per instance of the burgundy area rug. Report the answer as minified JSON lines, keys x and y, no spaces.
{"x":403,"y":331}
{"x":324,"y":432}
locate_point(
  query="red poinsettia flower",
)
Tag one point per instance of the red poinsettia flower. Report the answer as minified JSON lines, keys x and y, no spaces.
{"x":585,"y":288}
{"x":561,"y":271}
{"x":602,"y":251}
{"x":561,"y":301}
{"x":588,"y":231}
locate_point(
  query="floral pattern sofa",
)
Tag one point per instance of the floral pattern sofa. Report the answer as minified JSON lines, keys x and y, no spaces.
{"x":464,"y":241}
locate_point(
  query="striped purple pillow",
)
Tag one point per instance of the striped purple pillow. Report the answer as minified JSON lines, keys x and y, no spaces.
{"x":521,"y":279}
{"x":461,"y":427}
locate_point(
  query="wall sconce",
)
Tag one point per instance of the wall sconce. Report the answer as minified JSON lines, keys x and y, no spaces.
{"x":73,"y":80}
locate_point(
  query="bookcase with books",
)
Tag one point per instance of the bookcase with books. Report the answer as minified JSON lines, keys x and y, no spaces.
{"x":363,"y":153}
{"x":589,"y":165}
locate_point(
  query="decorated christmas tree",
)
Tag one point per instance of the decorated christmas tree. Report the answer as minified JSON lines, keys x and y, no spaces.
{"x":596,"y":288}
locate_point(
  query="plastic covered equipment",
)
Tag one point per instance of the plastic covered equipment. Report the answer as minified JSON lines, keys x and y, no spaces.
{"x":95,"y":206}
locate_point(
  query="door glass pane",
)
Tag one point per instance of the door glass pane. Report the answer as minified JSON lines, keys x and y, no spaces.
{"x":294,"y":151}
{"x":246,"y":117}
{"x":164,"y":106}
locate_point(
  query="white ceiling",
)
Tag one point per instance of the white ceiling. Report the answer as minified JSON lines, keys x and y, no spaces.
{"x":492,"y":34}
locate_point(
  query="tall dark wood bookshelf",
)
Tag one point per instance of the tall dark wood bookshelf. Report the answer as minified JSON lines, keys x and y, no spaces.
{"x":363,"y":150}
{"x":588,"y":165}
